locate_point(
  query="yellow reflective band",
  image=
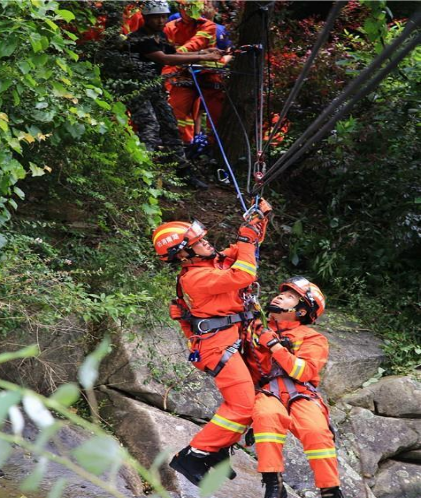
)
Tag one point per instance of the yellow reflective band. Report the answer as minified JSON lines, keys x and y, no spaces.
{"x":189,"y":122}
{"x":244,"y":266}
{"x":227,"y":424}
{"x":269,"y":437}
{"x":204,"y":34}
{"x":298,"y":369}
{"x":296,"y":345}
{"x":167,"y":230}
{"x":320,"y":454}
{"x":183,"y":49}
{"x":212,"y":64}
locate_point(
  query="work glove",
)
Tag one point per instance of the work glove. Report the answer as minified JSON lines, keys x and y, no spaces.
{"x":268,"y":338}
{"x":178,"y":310}
{"x":265,"y":207}
{"x":249,"y":233}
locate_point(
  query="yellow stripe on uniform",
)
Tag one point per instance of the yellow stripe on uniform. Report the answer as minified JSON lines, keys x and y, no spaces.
{"x":269,"y":437}
{"x":244,"y":266}
{"x":298,"y":369}
{"x":296,"y":345}
{"x":189,"y":122}
{"x":227,"y":424}
{"x":204,"y":34}
{"x":319,"y":454}
{"x":167,"y":230}
{"x":182,"y":49}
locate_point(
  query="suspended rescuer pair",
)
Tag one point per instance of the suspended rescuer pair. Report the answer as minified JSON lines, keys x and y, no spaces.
{"x":281,"y":363}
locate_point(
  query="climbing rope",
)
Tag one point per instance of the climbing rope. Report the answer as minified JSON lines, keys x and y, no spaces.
{"x":221,"y":148}
{"x":323,"y":35}
{"x":316,"y":131}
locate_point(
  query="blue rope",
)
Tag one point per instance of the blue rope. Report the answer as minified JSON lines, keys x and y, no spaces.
{"x":237,"y":188}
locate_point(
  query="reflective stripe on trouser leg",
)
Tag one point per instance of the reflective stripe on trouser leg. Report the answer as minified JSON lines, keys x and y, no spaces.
{"x":182,"y":101}
{"x":310,"y":426}
{"x":234,"y":415}
{"x":270,"y":426}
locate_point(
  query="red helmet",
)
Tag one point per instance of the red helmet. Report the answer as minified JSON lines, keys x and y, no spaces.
{"x":170,"y":238}
{"x":312,"y":299}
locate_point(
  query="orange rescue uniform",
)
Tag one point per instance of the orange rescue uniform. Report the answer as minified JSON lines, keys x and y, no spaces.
{"x":214,"y":288}
{"x":307,"y":417}
{"x":187,"y":37}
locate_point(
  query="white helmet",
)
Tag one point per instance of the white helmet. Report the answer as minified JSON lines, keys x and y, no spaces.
{"x":155,"y":7}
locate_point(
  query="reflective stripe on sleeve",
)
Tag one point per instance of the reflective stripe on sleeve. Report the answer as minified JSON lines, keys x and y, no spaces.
{"x":244,"y":266}
{"x":298,"y":369}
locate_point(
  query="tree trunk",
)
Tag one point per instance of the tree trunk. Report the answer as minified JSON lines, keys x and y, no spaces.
{"x":241,"y":86}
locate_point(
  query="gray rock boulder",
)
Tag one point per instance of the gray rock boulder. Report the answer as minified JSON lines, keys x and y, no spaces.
{"x":147,"y":432}
{"x":22,"y":463}
{"x":62,"y":350}
{"x":398,"y":480}
{"x":152,"y":366}
{"x":392,"y":396}
{"x":373,"y":439}
{"x":355,"y":355}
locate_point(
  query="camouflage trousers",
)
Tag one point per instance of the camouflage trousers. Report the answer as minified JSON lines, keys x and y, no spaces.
{"x":155,"y":124}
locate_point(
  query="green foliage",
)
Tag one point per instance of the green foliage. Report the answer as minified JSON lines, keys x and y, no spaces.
{"x":356,"y":231}
{"x":37,"y":288}
{"x":52,"y":102}
{"x":99,"y":454}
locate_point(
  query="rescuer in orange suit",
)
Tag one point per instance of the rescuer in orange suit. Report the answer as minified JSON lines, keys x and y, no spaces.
{"x":285,"y":361}
{"x":192,"y":33}
{"x":210,"y":306}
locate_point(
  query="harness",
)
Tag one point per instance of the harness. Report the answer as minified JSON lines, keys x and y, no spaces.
{"x":213,"y":324}
{"x":278,"y":372}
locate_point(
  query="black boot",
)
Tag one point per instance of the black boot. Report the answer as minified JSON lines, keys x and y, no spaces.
{"x":274,"y":487}
{"x":191,"y":464}
{"x":223,"y":454}
{"x":331,"y":492}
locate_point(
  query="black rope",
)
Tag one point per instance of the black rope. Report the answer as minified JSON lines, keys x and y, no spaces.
{"x":275,"y":171}
{"x":323,"y":35}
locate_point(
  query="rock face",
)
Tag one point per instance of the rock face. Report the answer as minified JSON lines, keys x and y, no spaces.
{"x":391,"y":397}
{"x":398,"y":480}
{"x":147,"y":432}
{"x":354,"y":356}
{"x":63,"y":349}
{"x":22,"y":463}
{"x":376,"y":438}
{"x":153,"y":367}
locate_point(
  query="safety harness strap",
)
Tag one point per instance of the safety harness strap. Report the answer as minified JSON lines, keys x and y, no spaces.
{"x":205,"y":325}
{"x":224,"y":359}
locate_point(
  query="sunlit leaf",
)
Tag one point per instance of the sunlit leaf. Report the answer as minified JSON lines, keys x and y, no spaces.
{"x":7,"y":400}
{"x":32,"y":482}
{"x":66,"y":15}
{"x":5,"y":451}
{"x":36,"y":170}
{"x":16,"y":419}
{"x":88,"y":372}
{"x":27,"y":352}
{"x":98,"y":454}
{"x":214,"y":479}
{"x":58,"y":488}
{"x":36,"y":411}
{"x":66,"y":395}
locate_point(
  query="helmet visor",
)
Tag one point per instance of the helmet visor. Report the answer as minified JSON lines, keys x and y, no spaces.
{"x":195,"y":232}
